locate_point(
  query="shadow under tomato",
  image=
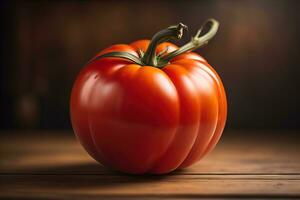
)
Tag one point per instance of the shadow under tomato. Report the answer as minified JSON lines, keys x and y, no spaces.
{"x":82,"y":175}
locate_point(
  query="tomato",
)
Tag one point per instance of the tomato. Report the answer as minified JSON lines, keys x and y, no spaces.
{"x":150,"y":106}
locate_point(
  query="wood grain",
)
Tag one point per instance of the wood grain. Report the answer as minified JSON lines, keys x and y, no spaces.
{"x":245,"y":164}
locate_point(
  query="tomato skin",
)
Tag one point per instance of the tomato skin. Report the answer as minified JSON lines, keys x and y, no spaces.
{"x":143,"y":119}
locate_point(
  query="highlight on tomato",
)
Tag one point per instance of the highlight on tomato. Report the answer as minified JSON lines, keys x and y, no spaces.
{"x":150,"y":106}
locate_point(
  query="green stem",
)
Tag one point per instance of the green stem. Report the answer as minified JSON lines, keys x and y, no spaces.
{"x":119,"y":54}
{"x":196,"y":42}
{"x":176,"y":32}
{"x":172,"y":32}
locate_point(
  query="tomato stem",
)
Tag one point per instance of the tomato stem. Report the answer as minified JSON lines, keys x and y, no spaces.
{"x":196,"y":42}
{"x":172,"y":32}
{"x":118,"y":54}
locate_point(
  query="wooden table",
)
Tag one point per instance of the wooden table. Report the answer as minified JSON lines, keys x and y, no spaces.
{"x":245,"y":164}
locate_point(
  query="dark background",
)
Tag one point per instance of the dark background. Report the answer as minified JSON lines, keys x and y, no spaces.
{"x":44,"y":44}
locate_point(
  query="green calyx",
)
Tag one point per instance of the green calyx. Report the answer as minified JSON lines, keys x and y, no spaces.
{"x":150,"y":58}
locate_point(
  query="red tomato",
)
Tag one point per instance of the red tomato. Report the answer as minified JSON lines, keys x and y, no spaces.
{"x":147,"y":119}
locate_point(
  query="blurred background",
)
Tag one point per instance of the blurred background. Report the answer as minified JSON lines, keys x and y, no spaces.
{"x":44,"y":44}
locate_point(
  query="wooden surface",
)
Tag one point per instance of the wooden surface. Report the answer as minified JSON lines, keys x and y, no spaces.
{"x":245,"y":164}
